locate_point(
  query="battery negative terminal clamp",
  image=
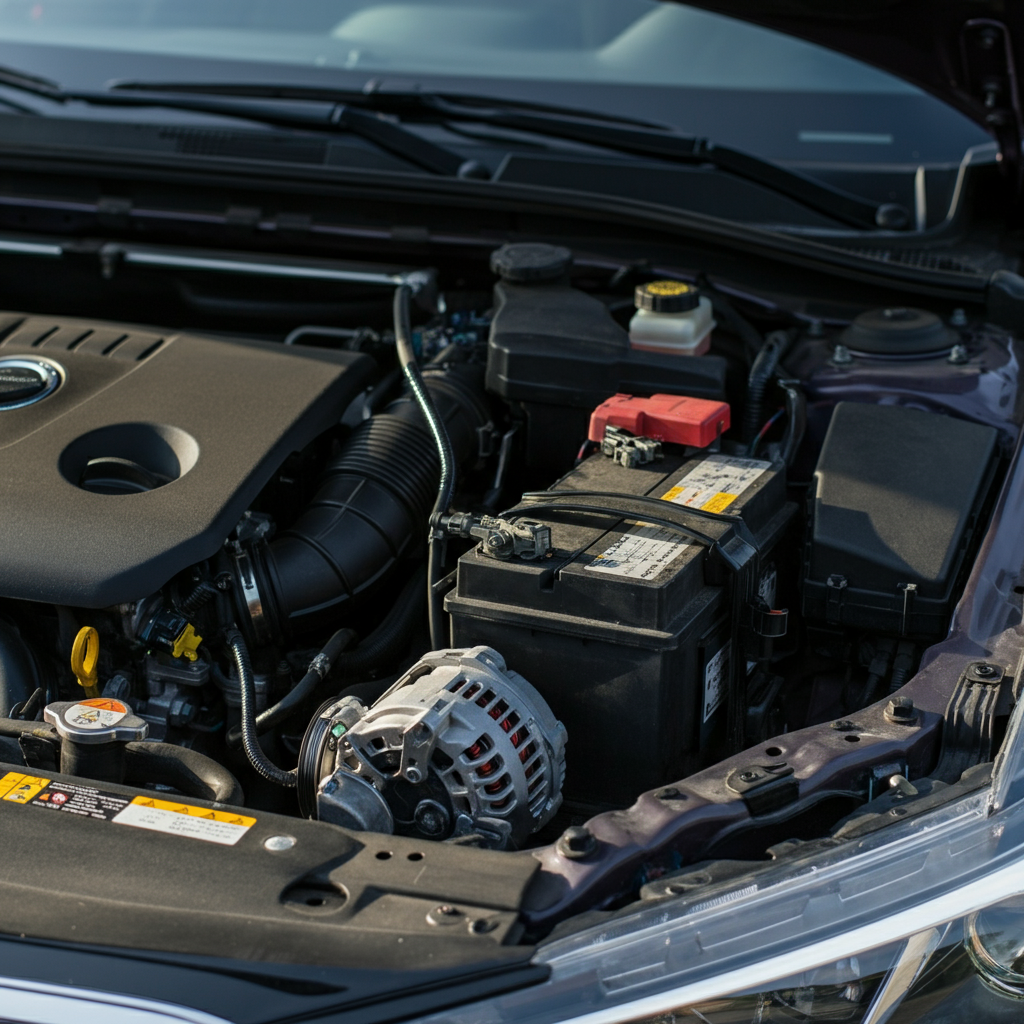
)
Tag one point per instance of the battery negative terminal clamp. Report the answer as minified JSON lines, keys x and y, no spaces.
{"x":500,"y":538}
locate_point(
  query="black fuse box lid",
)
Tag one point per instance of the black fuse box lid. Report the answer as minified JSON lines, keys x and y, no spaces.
{"x":895,"y":502}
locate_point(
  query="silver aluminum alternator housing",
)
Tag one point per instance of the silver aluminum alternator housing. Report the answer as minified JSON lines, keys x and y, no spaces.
{"x":460,"y":744}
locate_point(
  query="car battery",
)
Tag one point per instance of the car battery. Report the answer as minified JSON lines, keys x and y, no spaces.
{"x":630,"y":629}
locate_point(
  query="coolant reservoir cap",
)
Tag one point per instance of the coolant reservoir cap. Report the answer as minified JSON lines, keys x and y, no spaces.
{"x":24,"y":381}
{"x":531,"y":262}
{"x":95,"y":720}
{"x":666,"y":297}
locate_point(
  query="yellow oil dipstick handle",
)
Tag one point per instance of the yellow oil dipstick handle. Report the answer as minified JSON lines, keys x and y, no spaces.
{"x":85,"y":654}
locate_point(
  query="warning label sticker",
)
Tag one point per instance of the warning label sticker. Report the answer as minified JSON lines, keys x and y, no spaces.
{"x":715,"y":674}
{"x":170,"y":816}
{"x":642,"y":553}
{"x":19,"y":789}
{"x":716,"y":483}
{"x":98,"y":713}
{"x":181,"y":819}
{"x":645,"y":551}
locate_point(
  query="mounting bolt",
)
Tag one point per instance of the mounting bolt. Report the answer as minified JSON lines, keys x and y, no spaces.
{"x":748,"y":776}
{"x":670,"y":793}
{"x":986,"y":671}
{"x":444,"y":914}
{"x":841,"y":356}
{"x":958,"y":355}
{"x":900,"y":711}
{"x":842,"y":725}
{"x":576,"y":842}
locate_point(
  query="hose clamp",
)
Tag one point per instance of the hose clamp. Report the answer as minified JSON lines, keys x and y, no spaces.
{"x":246,"y":573}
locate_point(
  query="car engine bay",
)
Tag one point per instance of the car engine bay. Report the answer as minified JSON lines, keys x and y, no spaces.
{"x":686,"y":542}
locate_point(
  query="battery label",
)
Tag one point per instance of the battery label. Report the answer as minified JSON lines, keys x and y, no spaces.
{"x":716,"y":482}
{"x":713,"y":485}
{"x":171,"y":816}
{"x":715,"y":679}
{"x":642,"y":553}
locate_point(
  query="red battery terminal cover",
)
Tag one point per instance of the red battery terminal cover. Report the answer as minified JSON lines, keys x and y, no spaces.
{"x":671,"y":418}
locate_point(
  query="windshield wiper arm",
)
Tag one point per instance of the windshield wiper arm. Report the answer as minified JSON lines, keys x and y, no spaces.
{"x":303,"y":113}
{"x":366,"y":113}
{"x":621,"y":134}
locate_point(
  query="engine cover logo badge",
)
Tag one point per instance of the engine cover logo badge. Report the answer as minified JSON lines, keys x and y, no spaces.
{"x":26,"y":380}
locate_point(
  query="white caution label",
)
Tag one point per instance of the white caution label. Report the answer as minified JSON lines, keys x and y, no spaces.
{"x":713,"y":485}
{"x":715,"y":678}
{"x":180,"y":819}
{"x":642,"y":553}
{"x":716,"y":483}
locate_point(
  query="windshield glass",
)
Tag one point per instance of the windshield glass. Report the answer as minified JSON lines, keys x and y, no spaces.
{"x":627,"y":41}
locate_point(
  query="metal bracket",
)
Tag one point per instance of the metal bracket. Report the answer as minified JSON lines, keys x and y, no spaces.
{"x":764,"y":787}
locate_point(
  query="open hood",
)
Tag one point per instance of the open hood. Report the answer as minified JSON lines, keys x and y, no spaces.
{"x":965,"y":52}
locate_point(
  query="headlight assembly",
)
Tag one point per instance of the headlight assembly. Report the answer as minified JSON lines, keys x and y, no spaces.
{"x":921,"y":922}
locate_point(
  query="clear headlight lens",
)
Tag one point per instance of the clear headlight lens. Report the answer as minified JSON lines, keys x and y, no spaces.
{"x":921,"y":922}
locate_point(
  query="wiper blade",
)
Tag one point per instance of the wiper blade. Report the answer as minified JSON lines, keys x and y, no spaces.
{"x":303,"y":113}
{"x":626,"y":135}
{"x":372,"y":114}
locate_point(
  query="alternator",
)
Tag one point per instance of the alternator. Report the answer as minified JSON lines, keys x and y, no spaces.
{"x":459,"y":745}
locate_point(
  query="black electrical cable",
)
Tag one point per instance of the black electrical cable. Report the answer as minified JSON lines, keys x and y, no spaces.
{"x":250,"y":741}
{"x":761,"y":372}
{"x":446,"y":484}
{"x":317,"y":671}
{"x":609,"y":511}
{"x":796,"y":420}
{"x":701,"y":513}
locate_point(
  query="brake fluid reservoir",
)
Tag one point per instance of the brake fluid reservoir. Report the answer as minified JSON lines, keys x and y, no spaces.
{"x":671,"y":316}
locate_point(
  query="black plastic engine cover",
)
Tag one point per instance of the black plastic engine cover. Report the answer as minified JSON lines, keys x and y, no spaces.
{"x":201,"y":423}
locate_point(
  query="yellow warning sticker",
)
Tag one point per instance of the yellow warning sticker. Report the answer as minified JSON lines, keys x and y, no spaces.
{"x":19,"y":789}
{"x":719,"y":503}
{"x":181,"y":819}
{"x":644,"y":552}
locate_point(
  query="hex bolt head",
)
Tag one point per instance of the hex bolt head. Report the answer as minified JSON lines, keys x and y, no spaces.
{"x":576,"y":842}
{"x":842,"y":725}
{"x":670,"y":793}
{"x":900,"y":711}
{"x":985,"y":671}
{"x":958,"y":355}
{"x":748,"y":776}
{"x":841,"y":356}
{"x":413,"y":774}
